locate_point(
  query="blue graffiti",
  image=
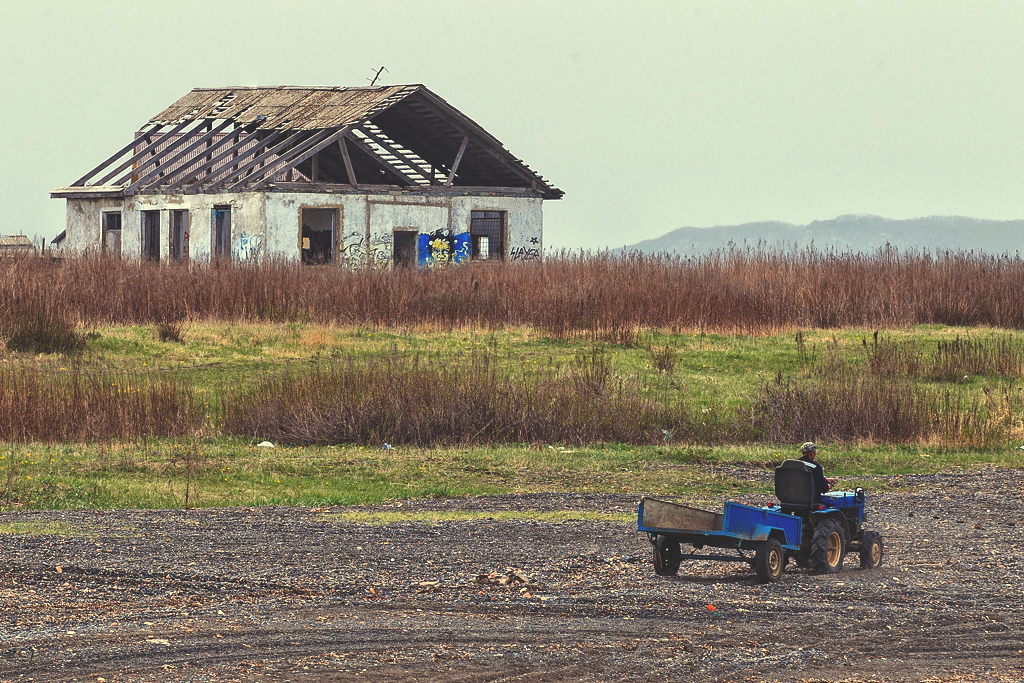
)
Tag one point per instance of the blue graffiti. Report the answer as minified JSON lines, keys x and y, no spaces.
{"x":441,"y":248}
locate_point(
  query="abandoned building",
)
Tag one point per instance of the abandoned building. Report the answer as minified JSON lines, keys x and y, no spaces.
{"x":353,"y":176}
{"x":16,"y":245}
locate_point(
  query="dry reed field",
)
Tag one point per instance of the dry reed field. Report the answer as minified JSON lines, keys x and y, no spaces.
{"x":738,"y":291}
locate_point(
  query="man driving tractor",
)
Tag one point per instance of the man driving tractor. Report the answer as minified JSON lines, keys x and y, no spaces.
{"x":822,"y":484}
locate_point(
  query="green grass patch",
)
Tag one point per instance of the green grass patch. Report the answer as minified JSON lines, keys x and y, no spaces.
{"x":39,"y":529}
{"x":236,"y":472}
{"x":436,"y":517}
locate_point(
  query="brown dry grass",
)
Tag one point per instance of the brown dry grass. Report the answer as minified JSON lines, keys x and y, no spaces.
{"x":606,"y":297}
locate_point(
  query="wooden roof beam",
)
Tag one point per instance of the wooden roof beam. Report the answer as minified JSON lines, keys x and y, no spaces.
{"x":258,"y":159}
{"x":348,"y":162}
{"x":210,"y":166}
{"x":481,"y":142}
{"x":300,"y":153}
{"x":168,"y":164}
{"x":130,"y":146}
{"x":151,"y":147}
{"x":390,"y":149}
{"x":383,"y":163}
{"x":211,"y":161}
{"x":458,"y":159}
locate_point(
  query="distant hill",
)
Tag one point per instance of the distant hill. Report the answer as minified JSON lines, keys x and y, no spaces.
{"x":848,"y":233}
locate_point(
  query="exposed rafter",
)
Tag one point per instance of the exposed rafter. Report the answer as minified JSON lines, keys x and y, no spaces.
{"x":349,"y":171}
{"x":169,"y":163}
{"x":257,"y":160}
{"x":150,"y":148}
{"x":381,"y":161}
{"x":391,"y":148}
{"x":296,"y":160}
{"x":458,"y":159}
{"x":239,"y":143}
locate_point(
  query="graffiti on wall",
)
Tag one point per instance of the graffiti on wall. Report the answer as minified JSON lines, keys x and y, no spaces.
{"x":442,"y":248}
{"x":248,"y":247}
{"x":380,"y":249}
{"x":352,"y":252}
{"x":524,"y":254}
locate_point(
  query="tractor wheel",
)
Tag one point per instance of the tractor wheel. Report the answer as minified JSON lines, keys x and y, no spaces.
{"x":871,"y":550}
{"x":666,"y":556}
{"x":769,"y":561}
{"x":828,"y":547}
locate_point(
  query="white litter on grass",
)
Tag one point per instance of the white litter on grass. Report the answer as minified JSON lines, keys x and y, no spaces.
{"x":265,"y":444}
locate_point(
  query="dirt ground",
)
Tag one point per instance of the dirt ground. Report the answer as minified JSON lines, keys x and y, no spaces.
{"x":298,"y":594}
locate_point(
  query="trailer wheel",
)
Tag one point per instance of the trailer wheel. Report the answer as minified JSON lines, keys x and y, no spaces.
{"x":666,"y":556}
{"x":871,"y":550}
{"x":828,"y":547}
{"x":769,"y":561}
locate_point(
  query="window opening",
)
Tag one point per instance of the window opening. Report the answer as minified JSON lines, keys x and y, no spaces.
{"x":179,"y":235}
{"x":318,"y":235}
{"x":406,"y":249}
{"x":112,"y":233}
{"x":222,"y":232}
{"x":151,"y":235}
{"x":486,"y":233}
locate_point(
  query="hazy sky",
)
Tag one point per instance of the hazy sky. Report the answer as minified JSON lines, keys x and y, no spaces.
{"x":650,"y":116}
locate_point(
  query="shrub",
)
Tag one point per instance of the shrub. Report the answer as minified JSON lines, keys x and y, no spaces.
{"x":412,"y":401}
{"x":35,"y":325}
{"x":170,"y":331}
{"x":40,"y":406}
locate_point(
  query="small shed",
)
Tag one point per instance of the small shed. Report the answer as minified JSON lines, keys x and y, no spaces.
{"x":16,"y":245}
{"x":389,"y":175}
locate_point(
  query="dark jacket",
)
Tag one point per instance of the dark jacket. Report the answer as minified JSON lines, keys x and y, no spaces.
{"x":820,"y":484}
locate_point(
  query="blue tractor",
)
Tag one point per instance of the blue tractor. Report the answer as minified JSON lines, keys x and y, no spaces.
{"x":816,"y":534}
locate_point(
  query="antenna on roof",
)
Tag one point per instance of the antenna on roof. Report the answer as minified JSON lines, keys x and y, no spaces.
{"x":373,"y":81}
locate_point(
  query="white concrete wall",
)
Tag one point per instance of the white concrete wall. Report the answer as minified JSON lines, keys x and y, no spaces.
{"x":248,"y":222}
{"x":269,"y":224}
{"x":84,"y":225}
{"x":524,"y":222}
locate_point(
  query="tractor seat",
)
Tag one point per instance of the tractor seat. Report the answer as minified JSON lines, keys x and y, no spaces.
{"x":794,"y":484}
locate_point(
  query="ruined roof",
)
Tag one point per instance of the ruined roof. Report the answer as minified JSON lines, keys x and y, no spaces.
{"x":16,"y":241}
{"x":301,"y":138}
{"x":285,"y":106}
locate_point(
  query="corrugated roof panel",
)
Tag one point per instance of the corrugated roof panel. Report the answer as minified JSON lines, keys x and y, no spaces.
{"x":302,"y":108}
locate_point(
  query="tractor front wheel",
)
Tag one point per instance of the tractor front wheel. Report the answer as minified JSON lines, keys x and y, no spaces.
{"x":871,"y":550}
{"x":828,"y":547}
{"x":666,"y":556}
{"x":769,"y":561}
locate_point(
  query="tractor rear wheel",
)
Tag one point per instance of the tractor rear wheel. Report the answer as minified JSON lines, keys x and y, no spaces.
{"x":828,"y":547}
{"x":666,"y":556}
{"x":769,"y":561}
{"x":871,"y":550}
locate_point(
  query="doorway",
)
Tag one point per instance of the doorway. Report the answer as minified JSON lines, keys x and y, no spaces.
{"x":318,"y":235}
{"x":151,"y":235}
{"x":179,"y":235}
{"x":222,"y":232}
{"x":405,"y":249}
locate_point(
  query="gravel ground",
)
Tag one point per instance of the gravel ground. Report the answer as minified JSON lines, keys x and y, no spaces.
{"x":300,"y":594}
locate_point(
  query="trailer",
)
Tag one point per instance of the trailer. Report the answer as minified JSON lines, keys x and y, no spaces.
{"x":768,"y":533}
